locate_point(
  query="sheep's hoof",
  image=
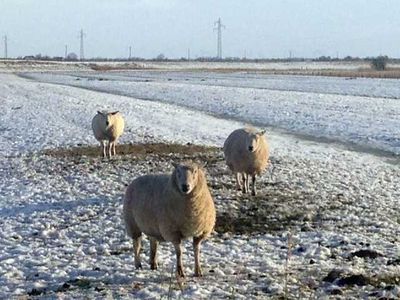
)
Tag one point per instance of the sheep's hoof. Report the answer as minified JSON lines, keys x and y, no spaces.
{"x":138,"y":265}
{"x":154,"y":266}
{"x":253,"y":193}
{"x":180,"y":273}
{"x":198,"y":273}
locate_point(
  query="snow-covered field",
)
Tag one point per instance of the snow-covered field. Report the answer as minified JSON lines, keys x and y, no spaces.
{"x":318,"y":204}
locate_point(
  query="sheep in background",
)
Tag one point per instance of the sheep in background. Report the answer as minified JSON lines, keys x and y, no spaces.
{"x":170,"y":208}
{"x":246,"y":154}
{"x":107,"y":128}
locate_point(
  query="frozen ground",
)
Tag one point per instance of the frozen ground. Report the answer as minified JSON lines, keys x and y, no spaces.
{"x":322,"y":107}
{"x":61,"y":231}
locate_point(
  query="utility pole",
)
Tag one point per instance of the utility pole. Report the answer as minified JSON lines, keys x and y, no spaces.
{"x":81,"y":36}
{"x":5,"y":47}
{"x":188,"y":54}
{"x":130,"y":52}
{"x":219,"y":38}
{"x":66,"y":52}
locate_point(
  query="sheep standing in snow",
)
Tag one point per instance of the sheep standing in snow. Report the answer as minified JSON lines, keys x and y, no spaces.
{"x":107,"y":128}
{"x":246,"y":154}
{"x":170,"y":208}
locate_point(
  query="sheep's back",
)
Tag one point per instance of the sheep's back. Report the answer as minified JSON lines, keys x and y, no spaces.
{"x":235,"y":150}
{"x":145,"y":201}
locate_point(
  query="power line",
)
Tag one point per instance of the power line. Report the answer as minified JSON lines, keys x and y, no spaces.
{"x":219,"y":37}
{"x":82,"y":53}
{"x":5,"y":47}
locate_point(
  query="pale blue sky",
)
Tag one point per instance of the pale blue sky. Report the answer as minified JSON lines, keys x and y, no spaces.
{"x":259,"y":28}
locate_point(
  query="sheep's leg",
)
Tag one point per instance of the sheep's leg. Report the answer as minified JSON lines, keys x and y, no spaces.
{"x":238,"y":184}
{"x":248,"y":182}
{"x":109,"y":148}
{"x":153,"y":254}
{"x":196,"y":247}
{"x":103,"y":145}
{"x":113,"y":144}
{"x":137,"y":246}
{"x":179,"y":267}
{"x":245,"y":183}
{"x":253,"y":185}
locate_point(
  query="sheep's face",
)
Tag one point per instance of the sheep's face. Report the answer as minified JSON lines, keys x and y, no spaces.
{"x":254,"y":140}
{"x":186,"y":177}
{"x":108,"y":118}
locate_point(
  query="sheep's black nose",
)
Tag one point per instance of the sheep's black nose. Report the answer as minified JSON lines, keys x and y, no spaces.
{"x":107,"y":123}
{"x":185,"y":187}
{"x":251,"y":148}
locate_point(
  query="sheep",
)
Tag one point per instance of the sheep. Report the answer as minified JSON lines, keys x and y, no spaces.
{"x":170,"y":208}
{"x":107,"y":128}
{"x":246,"y":153}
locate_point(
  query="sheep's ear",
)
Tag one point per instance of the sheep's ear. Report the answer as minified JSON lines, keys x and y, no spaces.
{"x":114,"y":112}
{"x":100,"y":113}
{"x":262,"y":132}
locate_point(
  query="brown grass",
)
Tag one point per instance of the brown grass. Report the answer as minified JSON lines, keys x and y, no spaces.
{"x":350,"y":74}
{"x":393,"y":72}
{"x":363,"y":73}
{"x":109,"y":67}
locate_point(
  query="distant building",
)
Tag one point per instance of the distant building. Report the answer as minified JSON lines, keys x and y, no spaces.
{"x":29,"y":57}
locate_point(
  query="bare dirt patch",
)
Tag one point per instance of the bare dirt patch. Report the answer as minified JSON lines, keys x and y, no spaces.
{"x":132,"y":149}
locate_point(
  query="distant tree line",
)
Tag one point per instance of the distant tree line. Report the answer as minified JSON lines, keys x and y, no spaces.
{"x":377,"y":63}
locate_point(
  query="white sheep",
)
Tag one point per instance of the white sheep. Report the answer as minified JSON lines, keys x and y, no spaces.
{"x":107,"y":128}
{"x":246,"y":153}
{"x":170,"y":208}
